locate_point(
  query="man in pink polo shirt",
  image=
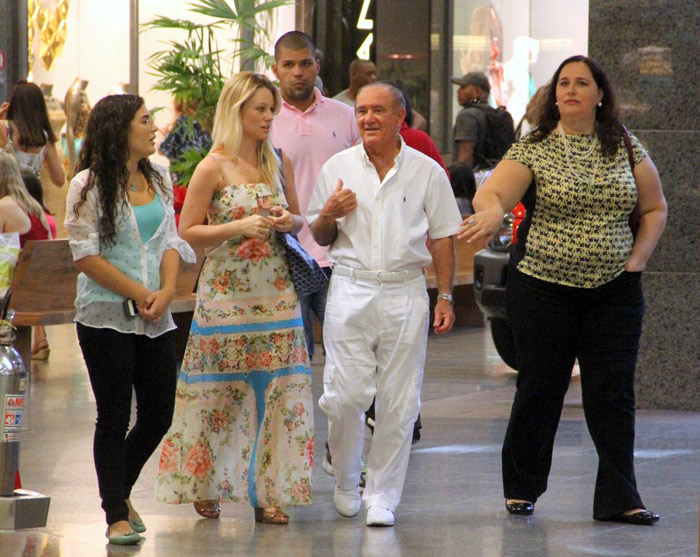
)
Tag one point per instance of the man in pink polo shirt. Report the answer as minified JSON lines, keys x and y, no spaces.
{"x":310,"y":129}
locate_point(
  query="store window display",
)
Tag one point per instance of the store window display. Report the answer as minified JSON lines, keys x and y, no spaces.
{"x":516,"y":44}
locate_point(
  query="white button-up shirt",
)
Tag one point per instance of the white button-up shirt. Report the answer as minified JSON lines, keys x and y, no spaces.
{"x":389,"y":228}
{"x":96,"y":305}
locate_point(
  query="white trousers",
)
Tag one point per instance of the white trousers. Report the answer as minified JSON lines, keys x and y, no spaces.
{"x":375,"y":334}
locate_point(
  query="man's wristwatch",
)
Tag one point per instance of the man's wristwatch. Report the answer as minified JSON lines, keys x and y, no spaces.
{"x":449,"y":297}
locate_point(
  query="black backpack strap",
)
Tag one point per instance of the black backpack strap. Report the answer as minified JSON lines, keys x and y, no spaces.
{"x":480,"y":136}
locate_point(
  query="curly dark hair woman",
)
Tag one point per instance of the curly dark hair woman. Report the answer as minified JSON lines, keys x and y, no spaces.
{"x":575,"y":283}
{"x":121,"y":227}
{"x":607,"y":117}
{"x":105,"y":152}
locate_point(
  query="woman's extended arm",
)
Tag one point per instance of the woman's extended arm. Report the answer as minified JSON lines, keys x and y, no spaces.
{"x":105,"y":274}
{"x":500,"y":193}
{"x":653,"y":209}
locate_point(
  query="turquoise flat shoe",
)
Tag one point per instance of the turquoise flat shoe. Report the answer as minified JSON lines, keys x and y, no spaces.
{"x":130,"y":538}
{"x":137,"y":525}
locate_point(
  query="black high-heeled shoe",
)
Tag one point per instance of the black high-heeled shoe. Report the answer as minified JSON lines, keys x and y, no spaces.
{"x":520,"y":507}
{"x":640,"y":518}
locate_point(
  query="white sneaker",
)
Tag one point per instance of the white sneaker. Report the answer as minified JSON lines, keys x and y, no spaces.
{"x":347,"y":503}
{"x":379,"y":516}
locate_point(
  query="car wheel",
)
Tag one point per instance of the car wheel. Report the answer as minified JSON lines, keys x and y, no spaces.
{"x":502,"y":336}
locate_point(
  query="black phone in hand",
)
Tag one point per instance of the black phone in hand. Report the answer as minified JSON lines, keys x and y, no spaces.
{"x":130,"y":308}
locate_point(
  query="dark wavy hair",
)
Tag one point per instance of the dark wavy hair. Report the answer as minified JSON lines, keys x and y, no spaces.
{"x":105,"y":152}
{"x":607,"y":117}
{"x":28,"y":113}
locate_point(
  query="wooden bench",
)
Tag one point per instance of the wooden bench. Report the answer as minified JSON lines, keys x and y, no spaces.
{"x":44,"y":288}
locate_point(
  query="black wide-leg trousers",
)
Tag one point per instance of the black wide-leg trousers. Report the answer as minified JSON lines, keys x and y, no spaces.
{"x":552,"y":326}
{"x":117,"y":363}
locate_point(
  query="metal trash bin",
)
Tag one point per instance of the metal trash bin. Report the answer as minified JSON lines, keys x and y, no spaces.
{"x":13,"y":386}
{"x":18,"y":508}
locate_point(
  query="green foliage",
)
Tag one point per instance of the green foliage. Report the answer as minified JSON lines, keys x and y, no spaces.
{"x":190,"y":69}
{"x":186,"y":165}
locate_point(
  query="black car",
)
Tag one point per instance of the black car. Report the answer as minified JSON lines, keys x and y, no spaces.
{"x":490,"y":274}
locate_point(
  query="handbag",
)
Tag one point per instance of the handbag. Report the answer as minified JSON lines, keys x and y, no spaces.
{"x":636,"y":215}
{"x":307,"y":275}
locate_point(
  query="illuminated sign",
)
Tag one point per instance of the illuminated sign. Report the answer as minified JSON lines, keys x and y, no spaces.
{"x":365,"y":24}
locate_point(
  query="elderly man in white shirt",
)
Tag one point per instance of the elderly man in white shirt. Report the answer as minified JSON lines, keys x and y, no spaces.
{"x":375,"y":204}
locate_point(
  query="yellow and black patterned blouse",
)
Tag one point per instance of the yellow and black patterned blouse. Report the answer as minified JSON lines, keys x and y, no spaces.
{"x":580,"y":233}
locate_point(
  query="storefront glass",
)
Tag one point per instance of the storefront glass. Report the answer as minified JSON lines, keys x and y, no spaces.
{"x":517,"y":44}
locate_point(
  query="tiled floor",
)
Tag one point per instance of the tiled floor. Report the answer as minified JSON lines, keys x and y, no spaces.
{"x":452,"y":503}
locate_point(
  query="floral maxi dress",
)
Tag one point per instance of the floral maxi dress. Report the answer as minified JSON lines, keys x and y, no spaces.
{"x":243,"y":423}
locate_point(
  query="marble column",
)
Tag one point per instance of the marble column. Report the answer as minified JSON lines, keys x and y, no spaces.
{"x":649,"y":49}
{"x":13,"y":44}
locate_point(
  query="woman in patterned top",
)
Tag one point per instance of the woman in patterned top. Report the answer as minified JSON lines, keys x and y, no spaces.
{"x":574,"y":284}
{"x":182,"y":135}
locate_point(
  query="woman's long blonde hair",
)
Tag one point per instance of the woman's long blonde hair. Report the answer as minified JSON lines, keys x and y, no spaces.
{"x":228,"y":131}
{"x":11,"y":184}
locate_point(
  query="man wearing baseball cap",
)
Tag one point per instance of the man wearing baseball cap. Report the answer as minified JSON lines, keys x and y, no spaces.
{"x":468,"y":133}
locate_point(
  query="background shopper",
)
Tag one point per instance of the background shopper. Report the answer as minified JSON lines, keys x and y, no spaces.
{"x":28,"y":133}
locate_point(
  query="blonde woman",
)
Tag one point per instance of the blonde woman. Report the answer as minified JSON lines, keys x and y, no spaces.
{"x":243,"y":425}
{"x":14,"y":198}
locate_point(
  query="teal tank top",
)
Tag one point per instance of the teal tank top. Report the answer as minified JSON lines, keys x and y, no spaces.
{"x":148,"y":218}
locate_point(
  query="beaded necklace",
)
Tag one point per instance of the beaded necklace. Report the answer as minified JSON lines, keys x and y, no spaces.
{"x":590,"y":181}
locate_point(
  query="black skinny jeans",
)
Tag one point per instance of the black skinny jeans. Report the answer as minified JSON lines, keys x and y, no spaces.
{"x":552,"y":326}
{"x":116,"y":362}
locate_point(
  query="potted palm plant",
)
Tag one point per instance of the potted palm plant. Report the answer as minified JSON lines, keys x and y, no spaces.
{"x":190,"y":69}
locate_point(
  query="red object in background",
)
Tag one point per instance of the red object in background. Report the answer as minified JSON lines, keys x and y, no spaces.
{"x":518,"y":216}
{"x":179,"y":193}
{"x":18,"y":481}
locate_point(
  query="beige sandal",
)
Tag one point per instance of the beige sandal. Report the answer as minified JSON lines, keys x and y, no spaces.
{"x":271,"y":515}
